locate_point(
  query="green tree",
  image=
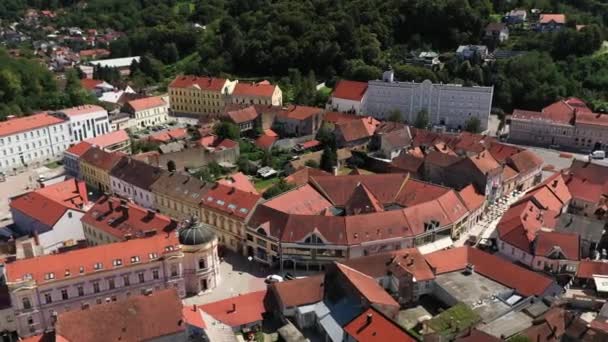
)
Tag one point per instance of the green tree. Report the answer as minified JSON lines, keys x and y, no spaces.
{"x":422,"y":119}
{"x":280,"y":187}
{"x":329,"y":159}
{"x":227,"y":130}
{"x":473,"y":125}
{"x":395,"y":116}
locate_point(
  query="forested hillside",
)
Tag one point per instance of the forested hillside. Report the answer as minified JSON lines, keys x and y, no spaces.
{"x":354,"y":39}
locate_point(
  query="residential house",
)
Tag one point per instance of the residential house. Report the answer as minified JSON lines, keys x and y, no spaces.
{"x":356,"y":133}
{"x":112,"y":219}
{"x":347,"y":96}
{"x":71,"y":158}
{"x":261,"y":93}
{"x":51,"y":214}
{"x":123,"y":65}
{"x":266,"y":140}
{"x":179,"y":195}
{"x":482,"y":170}
{"x":588,"y":184}
{"x":499,"y":32}
{"x":373,"y":326}
{"x":590,"y":231}
{"x":236,"y":313}
{"x":32,"y":139}
{"x":298,"y":120}
{"x":173,"y":134}
{"x":516,"y":16}
{"x":87,"y":121}
{"x":226,"y":209}
{"x":472,"y":52}
{"x":390,"y":139}
{"x":245,"y":118}
{"x":146,"y":317}
{"x":148,"y":111}
{"x":95,"y":167}
{"x":117,"y":141}
{"x":205,"y":96}
{"x":132,"y":179}
{"x":475,"y":203}
{"x":551,"y":22}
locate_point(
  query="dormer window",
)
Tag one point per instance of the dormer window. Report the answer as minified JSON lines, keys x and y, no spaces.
{"x":49,"y":276}
{"x":98,"y":266}
{"x":117,"y":262}
{"x":134,"y":259}
{"x":67,"y":273}
{"x":313,"y":239}
{"x":81,"y":270}
{"x":153,"y":256}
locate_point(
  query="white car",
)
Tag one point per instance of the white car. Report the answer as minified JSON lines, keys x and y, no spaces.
{"x":273,"y":278}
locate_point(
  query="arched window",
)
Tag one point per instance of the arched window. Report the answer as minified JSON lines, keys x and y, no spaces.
{"x":201,"y":264}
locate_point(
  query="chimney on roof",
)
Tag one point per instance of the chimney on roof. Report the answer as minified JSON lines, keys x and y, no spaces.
{"x":232,"y":190}
{"x":368,"y":319}
{"x":125,"y":211}
{"x":194,"y":307}
{"x":554,"y":183}
{"x":233,"y":308}
{"x":469,"y":269}
{"x":525,"y":217}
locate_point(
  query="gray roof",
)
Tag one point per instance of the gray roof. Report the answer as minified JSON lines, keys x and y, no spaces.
{"x":195,"y":233}
{"x":136,"y":173}
{"x":588,"y":228}
{"x":181,"y":186}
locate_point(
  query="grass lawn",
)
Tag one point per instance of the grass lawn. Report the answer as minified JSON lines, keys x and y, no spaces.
{"x":263,"y":184}
{"x":453,"y":320}
{"x":495,"y":18}
{"x":53,"y":165}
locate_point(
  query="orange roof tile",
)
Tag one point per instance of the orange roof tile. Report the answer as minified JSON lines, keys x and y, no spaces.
{"x":39,"y":207}
{"x":362,"y":201}
{"x":299,"y":292}
{"x":265,"y":141}
{"x":594,"y":119}
{"x":100,"y":158}
{"x":79,"y":149}
{"x":81,"y":110}
{"x":557,"y":18}
{"x":71,"y":193}
{"x":136,"y":318}
{"x":471,"y":198}
{"x":303,"y":201}
{"x":27,"y":123}
{"x":406,"y":260}
{"x":525,"y":161}
{"x":240,"y":181}
{"x":120,"y":221}
{"x":147,"y":103}
{"x":243,"y":115}
{"x":350,"y":90}
{"x":109,"y":139}
{"x":240,"y":310}
{"x":194,"y":316}
{"x":300,"y":112}
{"x":73,"y":261}
{"x":568,"y":243}
{"x":204,"y":83}
{"x":254,"y":89}
{"x":367,"y":286}
{"x":230,"y":200}
{"x":587,"y":268}
{"x":357,"y":129}
{"x":373,"y":326}
{"x":339,"y":117}
{"x":90,"y":84}
{"x":301,"y":176}
{"x":172,"y":134}
{"x":523,"y":281}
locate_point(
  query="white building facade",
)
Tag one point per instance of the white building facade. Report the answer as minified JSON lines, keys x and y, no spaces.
{"x":33,"y":139}
{"x":148,"y":111}
{"x":450,"y":105}
{"x":86,"y":121}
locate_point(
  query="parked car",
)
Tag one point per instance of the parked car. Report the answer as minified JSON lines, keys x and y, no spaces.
{"x":598,"y":155}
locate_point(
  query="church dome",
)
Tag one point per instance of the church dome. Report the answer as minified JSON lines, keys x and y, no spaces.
{"x":194,"y":233}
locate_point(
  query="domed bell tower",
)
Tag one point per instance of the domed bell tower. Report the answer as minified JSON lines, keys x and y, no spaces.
{"x":200,"y":264}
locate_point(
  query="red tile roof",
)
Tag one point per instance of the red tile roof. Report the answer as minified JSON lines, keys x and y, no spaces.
{"x":587,"y":268}
{"x":520,"y":224}
{"x":147,"y":103}
{"x":303,"y":201}
{"x":240,"y":310}
{"x":137,"y":318}
{"x":79,"y":149}
{"x":557,"y":18}
{"x":95,"y":53}
{"x":568,"y":243}
{"x":243,"y":115}
{"x":230,"y":201}
{"x":254,"y":89}
{"x":367,"y":286}
{"x":203,"y":83}
{"x":300,"y":112}
{"x":338,"y":189}
{"x":591,"y":172}
{"x":501,"y":152}
{"x":265,"y":141}
{"x":299,"y":292}
{"x":372,"y":326}
{"x":485,"y":163}
{"x":362,"y":201}
{"x":404,"y":260}
{"x":120,"y":221}
{"x":357,"y":129}
{"x":310,"y":144}
{"x":525,"y":161}
{"x":100,"y":158}
{"x":301,"y":176}
{"x":81,"y":110}
{"x":194,"y":316}
{"x":208,"y":141}
{"x":109,"y":139}
{"x":407,"y":163}
{"x":472,"y":199}
{"x":240,"y":181}
{"x":90,"y":84}
{"x":350,"y":90}
{"x":47,"y":205}
{"x":86,"y":258}
{"x":27,"y":123}
{"x":227,"y":144}
{"x":595,"y":119}
{"x":523,"y":281}
{"x":172,"y":134}
{"x":584,"y":189}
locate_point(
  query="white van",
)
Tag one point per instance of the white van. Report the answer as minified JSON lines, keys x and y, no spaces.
{"x":598,"y":155}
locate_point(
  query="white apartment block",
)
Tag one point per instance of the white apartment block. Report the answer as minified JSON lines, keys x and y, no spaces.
{"x":86,"y":121}
{"x":450,"y":105}
{"x":32,"y":139}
